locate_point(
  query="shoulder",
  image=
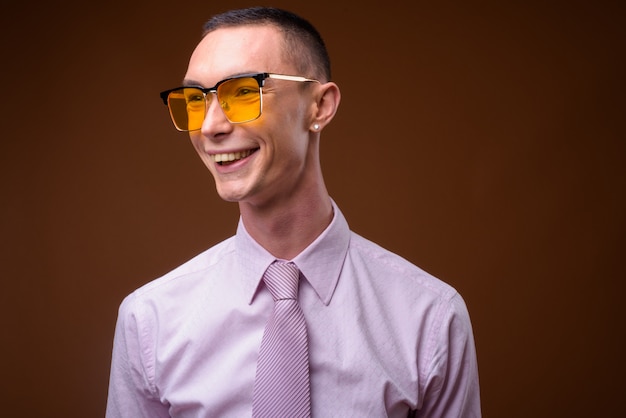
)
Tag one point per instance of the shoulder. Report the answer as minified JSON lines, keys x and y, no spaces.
{"x":417,"y":308}
{"x":393,"y":270}
{"x":183,"y":282}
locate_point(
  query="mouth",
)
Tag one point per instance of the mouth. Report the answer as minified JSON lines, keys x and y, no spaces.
{"x":232,"y":157}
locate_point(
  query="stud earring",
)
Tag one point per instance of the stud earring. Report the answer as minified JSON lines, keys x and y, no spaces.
{"x":316,"y":127}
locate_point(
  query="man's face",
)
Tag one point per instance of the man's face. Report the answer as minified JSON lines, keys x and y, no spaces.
{"x":272,"y":154}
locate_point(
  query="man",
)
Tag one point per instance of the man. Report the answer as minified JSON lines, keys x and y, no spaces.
{"x":384,"y":337}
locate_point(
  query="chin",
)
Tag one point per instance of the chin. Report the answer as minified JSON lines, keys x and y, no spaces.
{"x":229,"y":195}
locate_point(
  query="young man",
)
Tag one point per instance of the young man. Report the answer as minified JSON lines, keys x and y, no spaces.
{"x":384,"y":338}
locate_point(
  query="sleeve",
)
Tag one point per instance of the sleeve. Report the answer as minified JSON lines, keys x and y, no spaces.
{"x":131,"y":384}
{"x":452,"y":388}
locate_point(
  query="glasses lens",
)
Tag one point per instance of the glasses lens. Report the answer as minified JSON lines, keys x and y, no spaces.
{"x":187,"y":108}
{"x":240,"y":99}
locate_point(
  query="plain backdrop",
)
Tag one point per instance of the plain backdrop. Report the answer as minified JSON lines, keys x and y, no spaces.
{"x":482,"y":140}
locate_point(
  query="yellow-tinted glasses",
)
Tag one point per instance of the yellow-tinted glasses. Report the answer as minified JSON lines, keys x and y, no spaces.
{"x":240,"y":97}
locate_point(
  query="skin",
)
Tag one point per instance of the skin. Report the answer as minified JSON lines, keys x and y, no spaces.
{"x":280,"y":189}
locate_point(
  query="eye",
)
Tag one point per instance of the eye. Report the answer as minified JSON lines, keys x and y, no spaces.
{"x":244,"y":91}
{"x":196,"y":97}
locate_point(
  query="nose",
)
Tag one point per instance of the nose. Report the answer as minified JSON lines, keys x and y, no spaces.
{"x":215,"y":123}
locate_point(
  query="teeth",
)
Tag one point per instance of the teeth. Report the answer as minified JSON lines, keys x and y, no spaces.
{"x":231,"y":156}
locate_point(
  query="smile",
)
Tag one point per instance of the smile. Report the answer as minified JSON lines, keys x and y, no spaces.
{"x":231,"y":157}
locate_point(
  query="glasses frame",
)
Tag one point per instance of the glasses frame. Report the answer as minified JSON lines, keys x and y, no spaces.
{"x":260,"y":79}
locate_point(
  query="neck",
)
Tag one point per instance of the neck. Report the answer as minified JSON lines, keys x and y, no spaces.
{"x":286,"y":227}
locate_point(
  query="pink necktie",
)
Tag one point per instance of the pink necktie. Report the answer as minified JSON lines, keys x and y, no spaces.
{"x":281,"y":386}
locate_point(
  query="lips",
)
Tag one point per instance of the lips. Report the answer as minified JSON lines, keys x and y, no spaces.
{"x":231,"y":157}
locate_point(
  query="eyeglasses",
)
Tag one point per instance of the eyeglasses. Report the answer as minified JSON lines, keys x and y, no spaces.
{"x":241,"y":99}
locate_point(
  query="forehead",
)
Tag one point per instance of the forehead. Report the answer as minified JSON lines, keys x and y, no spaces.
{"x":229,"y":51}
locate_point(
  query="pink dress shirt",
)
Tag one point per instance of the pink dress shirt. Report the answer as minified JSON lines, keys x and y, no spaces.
{"x":386,"y":339}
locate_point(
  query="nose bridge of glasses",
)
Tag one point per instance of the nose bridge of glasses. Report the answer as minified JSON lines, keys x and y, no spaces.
{"x":209,"y":96}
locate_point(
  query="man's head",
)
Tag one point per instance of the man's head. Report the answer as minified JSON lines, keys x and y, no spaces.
{"x":259,"y":138}
{"x":303,"y":44}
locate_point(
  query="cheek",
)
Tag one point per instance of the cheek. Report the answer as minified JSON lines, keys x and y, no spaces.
{"x":292,"y":134}
{"x":290,"y":138}
{"x":291,"y":153}
{"x":196,"y":142}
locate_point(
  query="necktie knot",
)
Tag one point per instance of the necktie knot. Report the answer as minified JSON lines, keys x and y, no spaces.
{"x":281,"y":279}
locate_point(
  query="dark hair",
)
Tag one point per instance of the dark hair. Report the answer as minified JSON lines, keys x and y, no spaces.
{"x":300,"y":35}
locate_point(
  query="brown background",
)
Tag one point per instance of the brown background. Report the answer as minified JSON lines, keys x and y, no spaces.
{"x":484,"y":141}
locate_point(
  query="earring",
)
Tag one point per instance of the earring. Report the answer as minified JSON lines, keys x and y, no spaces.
{"x":316,"y":127}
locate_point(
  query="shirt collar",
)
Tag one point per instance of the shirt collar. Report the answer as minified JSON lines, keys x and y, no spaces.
{"x":320,"y":263}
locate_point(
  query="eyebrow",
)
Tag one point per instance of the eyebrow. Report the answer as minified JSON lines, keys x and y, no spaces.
{"x":190,"y":83}
{"x":187,"y":82}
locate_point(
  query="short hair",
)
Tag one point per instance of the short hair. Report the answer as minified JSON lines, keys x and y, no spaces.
{"x":300,"y":35}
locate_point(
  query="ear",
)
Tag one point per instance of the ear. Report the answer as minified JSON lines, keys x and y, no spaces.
{"x":328,"y":97}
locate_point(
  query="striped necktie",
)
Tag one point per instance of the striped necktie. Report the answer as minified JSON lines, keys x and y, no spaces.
{"x":281,"y":386}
